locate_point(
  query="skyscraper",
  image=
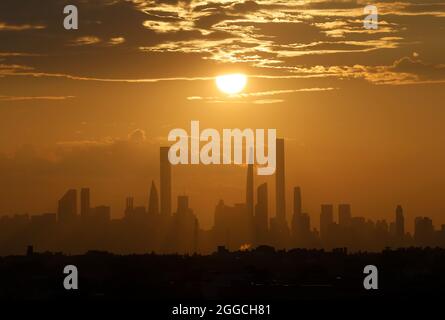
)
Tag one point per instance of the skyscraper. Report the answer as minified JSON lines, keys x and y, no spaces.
{"x":326,"y":219}
{"x":184,"y":238}
{"x":423,"y":231}
{"x":297,"y":200}
{"x":153,"y":201}
{"x":84,"y":202}
{"x":297,"y":212}
{"x":280,"y":184}
{"x":183,"y":204}
{"x":67,"y":206}
{"x":261,"y":215}
{"x":279,"y":229}
{"x":344,"y":214}
{"x":129,"y":206}
{"x":400,"y":223}
{"x":165,"y":182}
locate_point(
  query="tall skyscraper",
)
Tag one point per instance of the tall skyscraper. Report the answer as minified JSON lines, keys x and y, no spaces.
{"x":165,"y":182}
{"x":184,"y":238}
{"x":344,"y":214}
{"x":423,"y":231}
{"x":67,"y":206}
{"x":153,"y":201}
{"x":183,"y":204}
{"x":280,"y":184}
{"x":261,"y":215}
{"x":84,"y":202}
{"x":326,"y":219}
{"x":296,"y":217}
{"x":400,"y":223}
{"x":249,"y":187}
{"x":129,"y":206}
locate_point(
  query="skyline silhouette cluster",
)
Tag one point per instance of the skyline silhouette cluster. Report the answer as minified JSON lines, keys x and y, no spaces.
{"x":243,"y":226}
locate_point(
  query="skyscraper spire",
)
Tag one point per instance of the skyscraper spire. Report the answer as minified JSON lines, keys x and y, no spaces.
{"x":153,"y":202}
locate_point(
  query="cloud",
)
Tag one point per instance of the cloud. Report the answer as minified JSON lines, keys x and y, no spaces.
{"x":137,"y":135}
{"x":423,"y":70}
{"x":116,"y":41}
{"x":267,"y":37}
{"x":28,"y":98}
{"x":244,"y":97}
{"x":20,"y":27}
{"x":85,"y":41}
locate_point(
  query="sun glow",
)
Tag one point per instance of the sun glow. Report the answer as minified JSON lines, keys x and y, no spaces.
{"x":231,"y":83}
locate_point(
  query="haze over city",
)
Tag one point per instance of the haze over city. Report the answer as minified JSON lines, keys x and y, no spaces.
{"x":360,"y":110}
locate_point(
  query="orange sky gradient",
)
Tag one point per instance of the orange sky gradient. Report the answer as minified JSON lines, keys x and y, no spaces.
{"x":361,"y":110}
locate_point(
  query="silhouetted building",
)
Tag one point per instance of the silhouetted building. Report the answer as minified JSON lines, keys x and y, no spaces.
{"x":101,"y":214}
{"x":129,"y":206}
{"x":296,"y":213}
{"x":301,"y":224}
{"x":84,"y":202}
{"x":165,"y":182}
{"x":326,"y":220}
{"x":183,"y":204}
{"x":185,"y":227}
{"x":44,"y":221}
{"x":67,"y":207}
{"x":261,"y":215}
{"x":423,"y":231}
{"x":232,"y":225}
{"x":237,"y":227}
{"x":344,"y":215}
{"x":279,"y":229}
{"x":153,"y":202}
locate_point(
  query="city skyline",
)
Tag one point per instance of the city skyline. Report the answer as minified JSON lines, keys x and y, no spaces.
{"x":159,"y":228}
{"x":284,"y":208}
{"x":360,"y":109}
{"x":206,"y":157}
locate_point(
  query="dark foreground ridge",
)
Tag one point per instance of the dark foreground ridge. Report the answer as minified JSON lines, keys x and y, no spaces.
{"x":263,"y":274}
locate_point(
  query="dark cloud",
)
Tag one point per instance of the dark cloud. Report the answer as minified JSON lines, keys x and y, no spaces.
{"x":414,"y":66}
{"x":116,"y":37}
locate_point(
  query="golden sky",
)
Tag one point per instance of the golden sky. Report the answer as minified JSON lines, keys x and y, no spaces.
{"x":361,"y":110}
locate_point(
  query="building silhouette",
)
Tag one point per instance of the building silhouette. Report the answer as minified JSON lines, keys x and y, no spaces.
{"x":423,"y":231}
{"x":153,"y":201}
{"x":239,"y":226}
{"x":326,"y":221}
{"x":297,"y":212}
{"x":261,"y":216}
{"x":278,"y":224}
{"x":84,"y":202}
{"x":129,"y":206}
{"x":344,"y":214}
{"x":184,"y":228}
{"x":67,"y":207}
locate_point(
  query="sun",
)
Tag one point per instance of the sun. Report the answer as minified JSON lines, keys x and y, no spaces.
{"x":231,"y":83}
